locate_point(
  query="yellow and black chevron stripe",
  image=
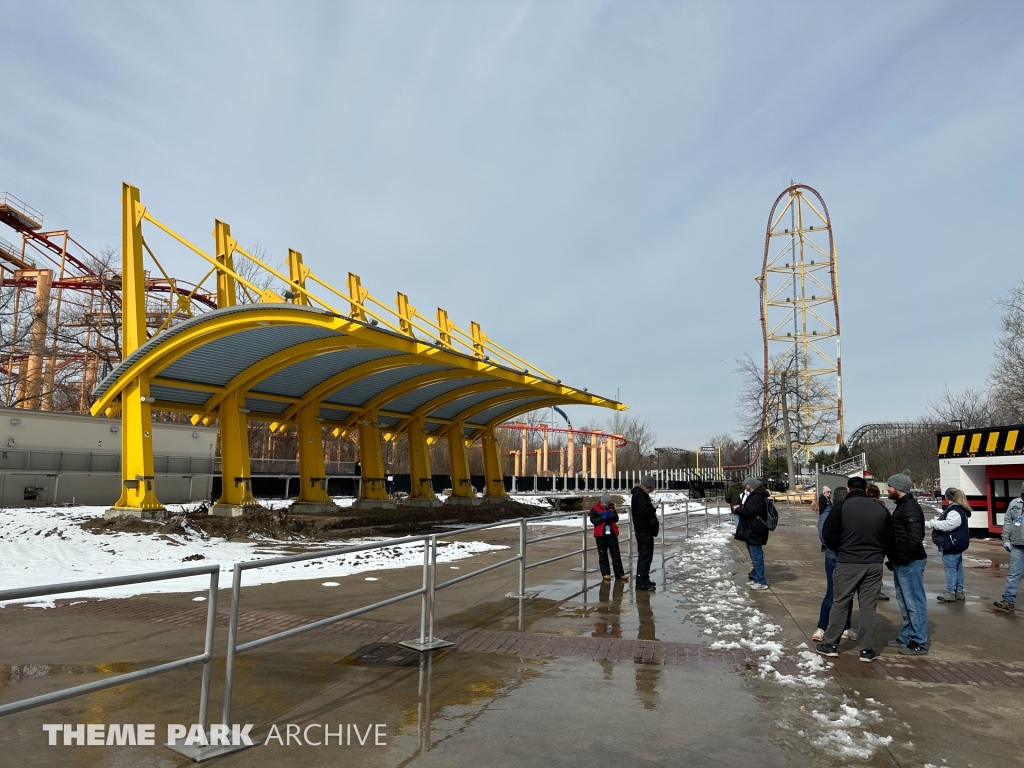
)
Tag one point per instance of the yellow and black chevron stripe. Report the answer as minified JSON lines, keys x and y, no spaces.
{"x":993,"y":441}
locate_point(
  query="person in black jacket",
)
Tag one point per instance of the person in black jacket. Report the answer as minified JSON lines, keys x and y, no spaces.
{"x":644,"y":518}
{"x":908,"y":560}
{"x":859,"y":531}
{"x":752,"y":529}
{"x":604,"y":518}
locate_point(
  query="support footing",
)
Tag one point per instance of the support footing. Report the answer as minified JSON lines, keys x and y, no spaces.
{"x":432,"y":645}
{"x":142,"y":514}
{"x":495,"y":499}
{"x":463,"y":501}
{"x":421,"y":503}
{"x":328,"y":508}
{"x":232,"y":510}
{"x":373,"y":504}
{"x":198,"y":753}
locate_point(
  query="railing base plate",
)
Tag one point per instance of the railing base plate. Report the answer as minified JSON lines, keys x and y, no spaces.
{"x":524,"y":596}
{"x":433,"y":645}
{"x":197,"y":753}
{"x":584,"y":570}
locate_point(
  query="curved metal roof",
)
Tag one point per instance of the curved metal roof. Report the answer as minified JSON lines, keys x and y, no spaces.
{"x":281,"y":357}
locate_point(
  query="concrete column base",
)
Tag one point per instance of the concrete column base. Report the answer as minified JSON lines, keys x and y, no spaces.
{"x":233,"y":510}
{"x":495,"y":499}
{"x":421,"y":503}
{"x":142,"y":514}
{"x":463,"y":501}
{"x":373,"y":504}
{"x":328,"y":508}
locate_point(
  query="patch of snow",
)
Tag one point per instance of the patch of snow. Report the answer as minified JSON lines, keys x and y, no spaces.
{"x":330,"y":584}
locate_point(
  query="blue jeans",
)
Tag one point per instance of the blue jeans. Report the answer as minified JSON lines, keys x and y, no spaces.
{"x":954,"y":565}
{"x":826,"y":602}
{"x":1015,"y":575}
{"x":757,"y":560}
{"x":909,"y":580}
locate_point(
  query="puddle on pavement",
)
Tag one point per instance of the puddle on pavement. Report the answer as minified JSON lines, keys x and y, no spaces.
{"x":12,"y":673}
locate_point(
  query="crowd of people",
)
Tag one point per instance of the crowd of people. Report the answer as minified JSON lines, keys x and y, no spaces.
{"x":860,"y":536}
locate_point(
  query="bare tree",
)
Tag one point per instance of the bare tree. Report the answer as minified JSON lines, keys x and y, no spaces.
{"x":1007,"y":376}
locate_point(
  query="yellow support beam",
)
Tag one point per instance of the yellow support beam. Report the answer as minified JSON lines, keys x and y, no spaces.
{"x":298,"y":273}
{"x":493,"y":475}
{"x":371,"y":462}
{"x":420,"y":476}
{"x":312,"y":469}
{"x":224,"y":249}
{"x":462,"y":485}
{"x":236,"y":478}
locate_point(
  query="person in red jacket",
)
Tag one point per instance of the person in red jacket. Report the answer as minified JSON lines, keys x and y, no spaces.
{"x":604,"y":518}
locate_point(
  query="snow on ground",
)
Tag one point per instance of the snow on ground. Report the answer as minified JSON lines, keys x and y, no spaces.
{"x":829,"y":722}
{"x":45,"y":545}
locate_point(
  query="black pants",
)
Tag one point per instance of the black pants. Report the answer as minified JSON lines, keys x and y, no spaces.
{"x":644,"y":556}
{"x":606,"y":544}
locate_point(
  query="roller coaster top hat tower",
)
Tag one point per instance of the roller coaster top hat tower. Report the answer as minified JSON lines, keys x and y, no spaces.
{"x":305,"y":354}
{"x":803,"y":385}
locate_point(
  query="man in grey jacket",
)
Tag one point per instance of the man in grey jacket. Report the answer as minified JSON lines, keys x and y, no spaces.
{"x":859,"y":531}
{"x":1013,"y":542}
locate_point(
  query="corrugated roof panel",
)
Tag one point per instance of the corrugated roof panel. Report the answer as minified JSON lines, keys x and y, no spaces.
{"x":410,"y":402}
{"x":361,"y":391}
{"x":266,"y":406}
{"x":296,"y":380}
{"x":220,"y":360}
{"x":451,"y":410}
{"x":387,"y":421}
{"x":492,"y":413}
{"x":335,"y":414}
{"x":170,"y":333}
{"x":177,"y":395}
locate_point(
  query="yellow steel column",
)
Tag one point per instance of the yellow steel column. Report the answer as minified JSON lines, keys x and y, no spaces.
{"x":236,"y":481}
{"x":495,"y":483}
{"x":138,"y":498}
{"x":224,"y":248}
{"x":422,"y":491}
{"x":374,"y":492}
{"x":462,"y":486}
{"x":298,"y":272}
{"x":313,"y":498}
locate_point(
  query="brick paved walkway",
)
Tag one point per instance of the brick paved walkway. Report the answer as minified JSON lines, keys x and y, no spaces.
{"x":538,"y":645}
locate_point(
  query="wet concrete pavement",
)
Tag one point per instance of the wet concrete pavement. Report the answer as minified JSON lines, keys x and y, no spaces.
{"x":578,"y":689}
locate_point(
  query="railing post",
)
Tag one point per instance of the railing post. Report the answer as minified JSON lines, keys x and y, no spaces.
{"x":705,"y":513}
{"x":522,"y":557}
{"x":585,"y":518}
{"x":631,"y":537}
{"x":424,"y":598}
{"x":662,"y":505}
{"x":433,"y":583}
{"x":686,"y":514}
{"x":229,"y":667}
{"x":211,"y":623}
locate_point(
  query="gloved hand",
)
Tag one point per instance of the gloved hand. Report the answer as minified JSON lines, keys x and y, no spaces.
{"x":608,"y":515}
{"x":1007,"y":547}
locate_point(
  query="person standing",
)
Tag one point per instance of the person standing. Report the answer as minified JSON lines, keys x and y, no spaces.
{"x":1013,"y":542}
{"x":752,"y":529}
{"x":952,"y":536}
{"x":645,"y":524}
{"x":604,"y":519}
{"x":874,"y":493}
{"x":859,"y":530}
{"x":825,"y":499}
{"x":830,"y":566}
{"x":908,"y":560}
{"x":734,"y":497}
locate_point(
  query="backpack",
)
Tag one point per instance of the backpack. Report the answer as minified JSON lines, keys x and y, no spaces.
{"x":771,"y":520}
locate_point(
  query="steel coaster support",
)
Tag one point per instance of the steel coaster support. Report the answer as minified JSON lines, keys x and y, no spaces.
{"x":236,"y":478}
{"x":427,"y":641}
{"x":298,"y":272}
{"x":495,"y":483}
{"x":138,"y":497}
{"x":224,"y":249}
{"x":421,"y":478}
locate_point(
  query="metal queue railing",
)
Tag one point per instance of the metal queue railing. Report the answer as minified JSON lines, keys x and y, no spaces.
{"x":427,"y":593}
{"x":205,"y":658}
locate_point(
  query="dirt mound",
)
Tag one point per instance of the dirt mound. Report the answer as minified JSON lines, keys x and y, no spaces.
{"x":280,"y":525}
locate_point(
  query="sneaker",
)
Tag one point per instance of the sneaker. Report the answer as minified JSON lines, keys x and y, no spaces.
{"x":947,"y":597}
{"x":645,"y":587}
{"x":606,"y":577}
{"x":755,"y":585}
{"x":818,"y":636}
{"x":883,"y":596}
{"x":849,"y":634}
{"x":895,"y":644}
{"x":1004,"y":605}
{"x":914,"y":649}
{"x":623,"y":577}
{"x":827,"y":650}
{"x":961,"y":596}
{"x":868,"y":656}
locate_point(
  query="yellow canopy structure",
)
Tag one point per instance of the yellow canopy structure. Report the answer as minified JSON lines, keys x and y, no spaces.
{"x":294,"y":358}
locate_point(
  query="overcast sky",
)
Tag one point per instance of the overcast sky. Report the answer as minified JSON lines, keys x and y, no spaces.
{"x":590,"y":181}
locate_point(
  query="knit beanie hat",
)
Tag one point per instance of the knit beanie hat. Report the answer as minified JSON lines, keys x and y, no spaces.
{"x":753,"y":482}
{"x":901,"y":483}
{"x":606,"y":499}
{"x":647,"y":482}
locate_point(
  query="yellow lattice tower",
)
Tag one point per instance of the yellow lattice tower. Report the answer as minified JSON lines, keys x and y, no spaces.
{"x":799,"y":321}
